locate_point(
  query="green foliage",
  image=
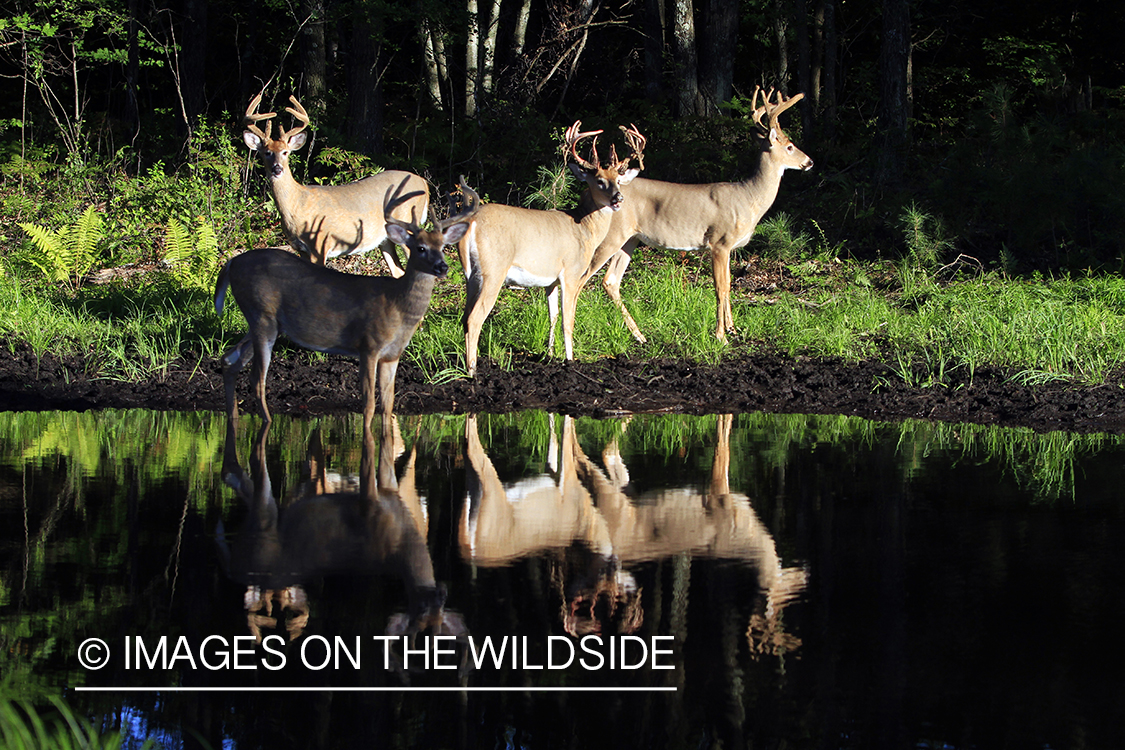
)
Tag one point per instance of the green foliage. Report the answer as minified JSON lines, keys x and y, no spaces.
{"x":1048,"y":189}
{"x":193,"y":256}
{"x":347,"y":166}
{"x":68,"y":253}
{"x":23,"y":727}
{"x":775,"y":238}
{"x":926,"y":239}
{"x":554,"y":189}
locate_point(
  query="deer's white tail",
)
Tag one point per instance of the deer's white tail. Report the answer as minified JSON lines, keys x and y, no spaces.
{"x":221,"y":287}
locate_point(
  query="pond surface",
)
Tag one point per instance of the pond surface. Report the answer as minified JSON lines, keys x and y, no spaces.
{"x":660,"y":581}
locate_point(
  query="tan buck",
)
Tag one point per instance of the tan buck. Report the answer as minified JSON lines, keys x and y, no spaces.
{"x":370,"y":317}
{"x":581,"y":504}
{"x":551,"y":249}
{"x":326,"y":221}
{"x":718,"y":217}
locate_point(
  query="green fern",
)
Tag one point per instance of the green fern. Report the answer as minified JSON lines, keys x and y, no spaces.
{"x":192,"y":255}
{"x":68,"y":253}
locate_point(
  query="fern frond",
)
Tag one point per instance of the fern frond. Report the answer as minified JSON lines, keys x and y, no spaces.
{"x":49,"y":247}
{"x":206,"y":242}
{"x":87,"y":235}
{"x":177,"y":243}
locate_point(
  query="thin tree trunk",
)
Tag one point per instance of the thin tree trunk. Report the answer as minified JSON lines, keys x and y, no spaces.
{"x":430,"y":63}
{"x":488,"y":62}
{"x":654,"y":49}
{"x":721,"y":40}
{"x":804,"y":62}
{"x":365,"y":95}
{"x":193,"y":59}
{"x":314,"y":63}
{"x":894,"y":89}
{"x":132,"y":73}
{"x":687,"y":88}
{"x":519,"y":39}
{"x":817,"y":52}
{"x":781,"y":32}
{"x":828,"y":118}
{"x":472,"y":51}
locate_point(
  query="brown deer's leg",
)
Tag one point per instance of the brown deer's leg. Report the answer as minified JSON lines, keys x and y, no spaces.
{"x":387,"y":370}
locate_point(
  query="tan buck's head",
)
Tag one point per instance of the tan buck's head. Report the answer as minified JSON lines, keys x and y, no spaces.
{"x":274,"y":153}
{"x":782,"y":150}
{"x":606,"y":180}
{"x":426,"y":246}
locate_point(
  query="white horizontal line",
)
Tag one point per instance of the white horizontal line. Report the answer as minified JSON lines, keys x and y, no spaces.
{"x":377,"y":689}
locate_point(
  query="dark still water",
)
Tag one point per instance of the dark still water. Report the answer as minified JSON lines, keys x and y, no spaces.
{"x":536,"y":581}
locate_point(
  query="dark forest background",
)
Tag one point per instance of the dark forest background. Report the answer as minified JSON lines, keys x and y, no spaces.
{"x":1003,"y":121}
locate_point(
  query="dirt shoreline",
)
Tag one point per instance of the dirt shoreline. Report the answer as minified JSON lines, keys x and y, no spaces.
{"x":605,"y":388}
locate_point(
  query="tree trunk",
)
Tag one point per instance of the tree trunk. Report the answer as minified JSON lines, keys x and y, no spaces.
{"x":519,"y":39}
{"x":721,"y":41}
{"x":365,"y":96}
{"x":817,"y":78}
{"x":828,"y":116}
{"x":894,"y":101}
{"x":430,"y":62}
{"x":781,"y":32}
{"x":488,"y":62}
{"x":132,"y":111}
{"x":653,"y":26}
{"x":193,"y":60}
{"x":687,"y":86}
{"x":804,"y":63}
{"x":472,"y":51}
{"x":314,"y":64}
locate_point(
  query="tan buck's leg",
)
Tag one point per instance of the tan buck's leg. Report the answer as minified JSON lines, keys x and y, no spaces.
{"x":614,"y":273}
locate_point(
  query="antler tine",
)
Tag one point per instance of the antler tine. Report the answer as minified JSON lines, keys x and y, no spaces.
{"x":759,"y":111}
{"x":252,"y":117}
{"x":572,"y":139}
{"x":470,"y":205}
{"x":782,"y":105}
{"x":392,"y":199}
{"x":636,"y":143}
{"x":299,"y":114}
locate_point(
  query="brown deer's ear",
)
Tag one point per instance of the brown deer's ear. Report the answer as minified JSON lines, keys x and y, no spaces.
{"x":398,"y":234}
{"x":252,"y":140}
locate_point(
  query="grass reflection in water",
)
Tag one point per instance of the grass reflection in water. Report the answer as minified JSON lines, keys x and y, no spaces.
{"x":772,"y":549}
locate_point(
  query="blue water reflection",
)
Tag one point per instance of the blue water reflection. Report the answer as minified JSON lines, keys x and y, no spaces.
{"x":727,"y":580}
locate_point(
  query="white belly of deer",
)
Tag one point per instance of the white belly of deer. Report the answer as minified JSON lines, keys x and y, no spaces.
{"x":650,"y":242}
{"x":519,"y":277}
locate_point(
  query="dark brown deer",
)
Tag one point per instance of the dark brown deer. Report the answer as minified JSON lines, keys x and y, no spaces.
{"x":370,"y":317}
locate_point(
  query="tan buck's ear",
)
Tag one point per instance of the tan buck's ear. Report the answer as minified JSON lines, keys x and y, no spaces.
{"x":297,"y":141}
{"x":252,"y":140}
{"x":454,"y":233}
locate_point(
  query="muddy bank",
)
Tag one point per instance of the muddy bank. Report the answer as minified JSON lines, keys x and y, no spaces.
{"x":605,"y":388}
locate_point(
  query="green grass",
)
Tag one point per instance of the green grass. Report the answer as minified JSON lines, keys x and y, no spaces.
{"x":925,"y":326}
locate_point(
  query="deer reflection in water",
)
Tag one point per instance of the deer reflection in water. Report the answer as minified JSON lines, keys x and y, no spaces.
{"x":585,"y":510}
{"x":323,"y":530}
